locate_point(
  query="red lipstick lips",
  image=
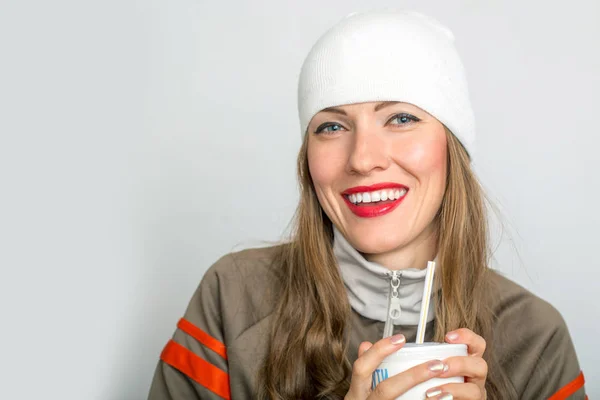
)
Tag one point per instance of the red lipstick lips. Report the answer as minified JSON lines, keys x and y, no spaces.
{"x":379,"y":208}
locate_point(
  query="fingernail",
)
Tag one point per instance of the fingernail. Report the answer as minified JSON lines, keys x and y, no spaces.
{"x":437,"y":366}
{"x":433,"y":392}
{"x":397,"y":339}
{"x":447,"y":396}
{"x":452,"y":336}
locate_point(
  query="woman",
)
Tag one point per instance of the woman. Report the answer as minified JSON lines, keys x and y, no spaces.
{"x":386,"y":185}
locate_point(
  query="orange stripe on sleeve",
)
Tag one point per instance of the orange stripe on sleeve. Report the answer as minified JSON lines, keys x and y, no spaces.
{"x":201,"y":371}
{"x":569,"y":389}
{"x":203,"y":337}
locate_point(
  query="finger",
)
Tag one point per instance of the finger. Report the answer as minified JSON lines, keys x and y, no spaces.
{"x":364,"y":346}
{"x":474,"y":369}
{"x":396,"y":385}
{"x":475,"y":343}
{"x":374,"y":355}
{"x":456,"y":391}
{"x":370,"y":358}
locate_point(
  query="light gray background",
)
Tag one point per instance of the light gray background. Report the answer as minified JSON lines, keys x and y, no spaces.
{"x":140,"y":141}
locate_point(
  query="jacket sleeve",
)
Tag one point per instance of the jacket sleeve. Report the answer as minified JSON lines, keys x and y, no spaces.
{"x":556,"y":374}
{"x":193,"y":364}
{"x":537,"y":350}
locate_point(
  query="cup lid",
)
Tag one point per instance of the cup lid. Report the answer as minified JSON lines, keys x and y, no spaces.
{"x":427,"y":350}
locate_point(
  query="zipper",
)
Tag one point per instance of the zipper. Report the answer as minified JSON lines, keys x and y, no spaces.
{"x":394,"y":310}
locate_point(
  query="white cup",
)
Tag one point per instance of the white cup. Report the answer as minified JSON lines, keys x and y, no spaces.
{"x":412,"y":354}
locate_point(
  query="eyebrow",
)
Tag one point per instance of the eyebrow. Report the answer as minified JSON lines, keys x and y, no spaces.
{"x":377,"y":107}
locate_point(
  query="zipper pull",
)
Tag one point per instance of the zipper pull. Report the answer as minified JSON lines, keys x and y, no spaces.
{"x":394,"y":309}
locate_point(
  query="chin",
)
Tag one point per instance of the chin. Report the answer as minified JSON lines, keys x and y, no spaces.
{"x":376,"y":242}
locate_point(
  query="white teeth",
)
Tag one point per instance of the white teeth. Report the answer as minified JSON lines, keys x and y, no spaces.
{"x":372,"y":197}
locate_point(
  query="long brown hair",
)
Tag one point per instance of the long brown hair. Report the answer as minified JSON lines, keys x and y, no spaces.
{"x":309,"y":338}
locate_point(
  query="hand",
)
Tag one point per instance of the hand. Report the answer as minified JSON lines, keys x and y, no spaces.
{"x":473,"y":368}
{"x":371,"y":355}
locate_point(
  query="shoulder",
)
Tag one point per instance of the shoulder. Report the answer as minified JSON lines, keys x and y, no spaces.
{"x":238,"y":290}
{"x":530,"y":336}
{"x":256,"y":268}
{"x":234,"y":295}
{"x":510,"y":300}
{"x":247,"y":263}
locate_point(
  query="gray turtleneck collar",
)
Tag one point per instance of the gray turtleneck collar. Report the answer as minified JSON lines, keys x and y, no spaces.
{"x":368,"y":285}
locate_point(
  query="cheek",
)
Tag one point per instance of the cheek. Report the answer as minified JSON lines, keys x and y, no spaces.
{"x":324,"y":168}
{"x":424,"y":157}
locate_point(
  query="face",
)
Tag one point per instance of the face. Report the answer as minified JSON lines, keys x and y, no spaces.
{"x":379,"y":171}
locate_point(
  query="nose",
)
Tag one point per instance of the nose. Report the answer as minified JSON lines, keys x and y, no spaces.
{"x":368,"y":152}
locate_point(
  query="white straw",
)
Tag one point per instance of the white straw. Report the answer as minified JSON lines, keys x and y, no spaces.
{"x":425,"y":302}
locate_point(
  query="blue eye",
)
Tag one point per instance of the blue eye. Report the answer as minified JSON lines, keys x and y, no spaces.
{"x":325,"y":128}
{"x":404,"y":119}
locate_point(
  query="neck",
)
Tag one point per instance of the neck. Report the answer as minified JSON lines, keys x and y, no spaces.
{"x":412,"y":255}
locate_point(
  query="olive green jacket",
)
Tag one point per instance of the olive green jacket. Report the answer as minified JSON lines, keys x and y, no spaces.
{"x":219,"y":343}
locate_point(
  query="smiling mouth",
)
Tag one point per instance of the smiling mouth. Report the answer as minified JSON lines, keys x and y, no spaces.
{"x":376,"y":197}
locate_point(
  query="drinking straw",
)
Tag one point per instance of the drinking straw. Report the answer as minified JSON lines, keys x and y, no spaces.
{"x":425,"y":302}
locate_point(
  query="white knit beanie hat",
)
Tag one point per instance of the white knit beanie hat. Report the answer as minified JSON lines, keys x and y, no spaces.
{"x":388,"y":56}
